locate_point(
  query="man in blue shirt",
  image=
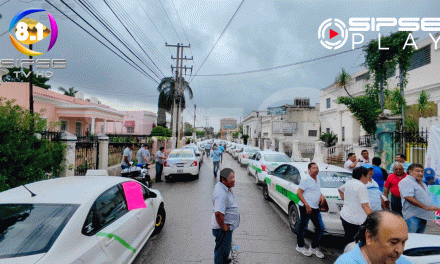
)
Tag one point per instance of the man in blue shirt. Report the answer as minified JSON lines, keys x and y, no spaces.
{"x":215,"y":155}
{"x":378,"y":174}
{"x":221,"y":149}
{"x":381,"y":239}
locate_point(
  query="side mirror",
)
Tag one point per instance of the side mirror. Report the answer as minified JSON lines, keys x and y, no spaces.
{"x":152,"y":195}
{"x":198,"y":154}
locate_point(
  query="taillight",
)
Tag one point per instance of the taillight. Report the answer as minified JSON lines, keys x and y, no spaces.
{"x":264,"y":168}
{"x":194,"y":163}
{"x":166,"y":164}
{"x":244,"y":156}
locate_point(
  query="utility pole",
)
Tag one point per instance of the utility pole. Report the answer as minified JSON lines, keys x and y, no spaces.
{"x":31,"y":93}
{"x":177,"y":104}
{"x":194,"y":127}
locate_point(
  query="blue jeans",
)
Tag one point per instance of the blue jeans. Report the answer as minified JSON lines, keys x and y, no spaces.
{"x":159,"y":169}
{"x":223,"y":241}
{"x":416,"y":225}
{"x":315,"y":216}
{"x":216,"y":167}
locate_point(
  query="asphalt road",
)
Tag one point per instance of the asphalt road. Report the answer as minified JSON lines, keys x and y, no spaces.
{"x":263,"y":236}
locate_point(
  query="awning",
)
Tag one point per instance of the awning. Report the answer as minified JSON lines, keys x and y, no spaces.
{"x":129,"y":123}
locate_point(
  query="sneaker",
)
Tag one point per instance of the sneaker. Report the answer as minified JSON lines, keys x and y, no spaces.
{"x":317,"y":252}
{"x":305,"y":251}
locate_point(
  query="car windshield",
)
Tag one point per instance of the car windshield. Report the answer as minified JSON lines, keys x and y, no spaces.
{"x":251,"y":150}
{"x":333,"y":179}
{"x":193,"y":148}
{"x":28,"y":229}
{"x":276,"y":158}
{"x":182,"y":154}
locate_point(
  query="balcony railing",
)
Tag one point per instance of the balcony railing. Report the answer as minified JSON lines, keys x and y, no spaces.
{"x":366,"y":141}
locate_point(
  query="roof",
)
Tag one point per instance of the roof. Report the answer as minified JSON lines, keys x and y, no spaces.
{"x":65,"y":190}
{"x":303,"y":166}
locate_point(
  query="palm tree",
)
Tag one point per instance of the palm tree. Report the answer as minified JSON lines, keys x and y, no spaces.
{"x":342,"y":80}
{"x":70,"y":92}
{"x":168,"y":91}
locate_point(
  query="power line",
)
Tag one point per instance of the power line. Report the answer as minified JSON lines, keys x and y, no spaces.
{"x":138,"y":69}
{"x":281,"y":66}
{"x":170,"y":21}
{"x":181,"y":24}
{"x":5,"y":2}
{"x":238,"y":8}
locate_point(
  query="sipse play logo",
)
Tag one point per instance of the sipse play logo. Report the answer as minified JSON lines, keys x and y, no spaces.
{"x":333,"y":33}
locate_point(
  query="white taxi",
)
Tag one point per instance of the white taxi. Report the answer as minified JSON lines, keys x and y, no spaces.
{"x":180,"y":162}
{"x":281,"y":186}
{"x":79,"y":219}
{"x":247,"y":153}
{"x":238,"y":149}
{"x":265,"y":161}
{"x":199,"y":154}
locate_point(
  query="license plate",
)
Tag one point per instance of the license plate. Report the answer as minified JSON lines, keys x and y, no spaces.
{"x":180,"y":165}
{"x":180,"y":171}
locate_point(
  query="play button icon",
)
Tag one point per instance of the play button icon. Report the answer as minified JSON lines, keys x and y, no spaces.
{"x":333,"y":33}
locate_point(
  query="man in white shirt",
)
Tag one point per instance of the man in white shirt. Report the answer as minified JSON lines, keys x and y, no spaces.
{"x":309,"y":193}
{"x":143,"y":155}
{"x":356,"y":203}
{"x":127,"y":155}
{"x":365,"y":157}
{"x":352,"y":162}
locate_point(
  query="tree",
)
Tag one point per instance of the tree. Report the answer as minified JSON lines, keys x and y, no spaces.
{"x":188,"y":129}
{"x":69,"y":92}
{"x":330,"y":139}
{"x":37,"y":80}
{"x":160,"y":131}
{"x":168,"y":92}
{"x":24,"y":157}
{"x":200,"y":134}
{"x":342,"y":80}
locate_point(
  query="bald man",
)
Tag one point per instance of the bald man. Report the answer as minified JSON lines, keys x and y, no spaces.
{"x":381,"y":239}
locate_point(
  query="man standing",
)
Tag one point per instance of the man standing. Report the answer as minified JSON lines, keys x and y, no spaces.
{"x":381,"y":239}
{"x":401,"y":158}
{"x":365,"y":157}
{"x":221,"y":149}
{"x":392,"y":184}
{"x":226,"y":217}
{"x":378,"y":174}
{"x":417,"y":206}
{"x":215,"y":155}
{"x":127,"y":155}
{"x":309,"y":193}
{"x":351,"y":162}
{"x":160,"y":159}
{"x":143,"y":155}
{"x":208,"y":149}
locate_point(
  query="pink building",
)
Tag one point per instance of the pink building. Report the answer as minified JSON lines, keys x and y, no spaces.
{"x":74,"y":115}
{"x":135,"y":122}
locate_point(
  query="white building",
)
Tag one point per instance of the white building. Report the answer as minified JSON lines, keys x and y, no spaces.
{"x":423,"y":74}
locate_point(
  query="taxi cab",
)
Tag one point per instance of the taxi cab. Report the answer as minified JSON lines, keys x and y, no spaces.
{"x":281,"y":186}
{"x":265,"y":161}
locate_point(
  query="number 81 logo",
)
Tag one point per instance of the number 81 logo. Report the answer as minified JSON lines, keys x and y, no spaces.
{"x":28,"y":31}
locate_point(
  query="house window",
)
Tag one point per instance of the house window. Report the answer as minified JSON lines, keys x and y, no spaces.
{"x":328,"y":103}
{"x":64,"y":125}
{"x":420,"y":58}
{"x":343,"y":133}
{"x":130,"y":130}
{"x":78,"y":128}
{"x":102,"y":128}
{"x":313,"y":133}
{"x":363,"y":77}
{"x":327,"y":130}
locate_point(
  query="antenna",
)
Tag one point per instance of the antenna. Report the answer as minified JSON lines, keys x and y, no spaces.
{"x":32,"y":194}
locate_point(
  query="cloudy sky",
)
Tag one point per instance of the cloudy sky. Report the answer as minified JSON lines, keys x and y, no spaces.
{"x":263,"y":34}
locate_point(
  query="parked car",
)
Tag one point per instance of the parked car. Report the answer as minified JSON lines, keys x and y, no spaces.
{"x":419,"y":248}
{"x":265,"y":161}
{"x":80,"y":219}
{"x":199,"y":154}
{"x":281,"y":186}
{"x":238,"y":149}
{"x":181,"y":162}
{"x":246,"y":155}
{"x":231,"y":148}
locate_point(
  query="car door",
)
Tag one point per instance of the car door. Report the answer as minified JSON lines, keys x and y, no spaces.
{"x":116,"y":227}
{"x":277,"y":183}
{"x":292,"y":177}
{"x":252,"y":163}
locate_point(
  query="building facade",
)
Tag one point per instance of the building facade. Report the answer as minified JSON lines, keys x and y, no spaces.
{"x":228,"y":123}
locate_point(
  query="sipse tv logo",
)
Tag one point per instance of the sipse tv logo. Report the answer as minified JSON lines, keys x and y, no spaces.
{"x":27,"y":31}
{"x":333,"y":33}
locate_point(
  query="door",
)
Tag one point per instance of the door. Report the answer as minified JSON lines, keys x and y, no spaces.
{"x":291,"y":178}
{"x":78,"y":128}
{"x":116,"y":226}
{"x":145,"y":218}
{"x":277,"y":184}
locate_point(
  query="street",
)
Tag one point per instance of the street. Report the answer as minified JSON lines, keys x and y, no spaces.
{"x":263,"y":236}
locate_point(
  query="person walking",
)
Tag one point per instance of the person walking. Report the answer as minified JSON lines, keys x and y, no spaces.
{"x":309,"y":193}
{"x":351,"y":162}
{"x":226,"y":217}
{"x":208,"y":149}
{"x":127,"y":156}
{"x":222,"y":150}
{"x":143,"y":155}
{"x":417,"y":205}
{"x":381,"y":239}
{"x":356,"y":206}
{"x":160,"y":159}
{"x":392,"y":185}
{"x":215,"y":155}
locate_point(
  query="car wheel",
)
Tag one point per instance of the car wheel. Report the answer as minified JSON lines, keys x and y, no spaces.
{"x":266,"y":193}
{"x":257,"y":179}
{"x":160,"y":220}
{"x":167,"y":178}
{"x":197,"y":176}
{"x":294,"y":218}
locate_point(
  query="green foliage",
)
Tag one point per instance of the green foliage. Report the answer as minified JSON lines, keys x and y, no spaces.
{"x":365,"y":108}
{"x":38,"y":81}
{"x":69,"y":92}
{"x":235,"y":134}
{"x":200,"y":134}
{"x":330,"y":139}
{"x":23,"y":157}
{"x":188,"y":129}
{"x":160,"y":131}
{"x":394,"y":101}
{"x":424,"y":108}
{"x":342,"y":80}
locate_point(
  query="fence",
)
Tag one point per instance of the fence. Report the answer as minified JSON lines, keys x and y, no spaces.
{"x":411,"y":143}
{"x":337,"y":154}
{"x":86,"y":154}
{"x":366,"y":141}
{"x":119,"y":142}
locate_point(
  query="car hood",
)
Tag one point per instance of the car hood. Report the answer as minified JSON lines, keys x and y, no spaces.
{"x":23,"y":260}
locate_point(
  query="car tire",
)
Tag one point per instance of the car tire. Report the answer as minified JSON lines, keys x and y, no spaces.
{"x":294,"y":218}
{"x":167,"y":178}
{"x":266,"y":193}
{"x":197,"y":176}
{"x":160,"y":220}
